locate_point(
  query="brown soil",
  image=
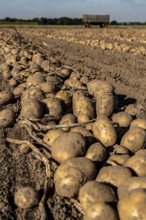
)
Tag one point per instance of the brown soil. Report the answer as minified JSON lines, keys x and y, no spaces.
{"x":127,"y":72}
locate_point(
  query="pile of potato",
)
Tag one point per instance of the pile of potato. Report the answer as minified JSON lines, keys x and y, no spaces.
{"x":101,"y":163}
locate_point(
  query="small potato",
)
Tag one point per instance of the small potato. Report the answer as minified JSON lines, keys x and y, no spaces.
{"x":87,"y":134}
{"x":18,"y":91}
{"x":118,"y":159}
{"x":73,"y":84}
{"x":104,"y":131}
{"x":68,"y":145}
{"x":137,"y":110}
{"x":53,"y":106}
{"x":26,"y":197}
{"x":46,"y":87}
{"x":118,"y":149}
{"x":123,"y":119}
{"x":94,"y":86}
{"x":31,"y":109}
{"x":97,"y":153}
{"x":100,"y":211}
{"x":67,"y":120}
{"x":51,"y":135}
{"x":92,"y":192}
{"x":134,"y":139}
{"x":72,"y":174}
{"x":33,"y":93}
{"x":6,"y":97}
{"x":65,"y":97}
{"x":35,"y":79}
{"x":132,"y":183}
{"x":132,"y":206}
{"x":7,"y":117}
{"x":141,"y":123}
{"x":137,"y":163}
{"x":13,"y":82}
{"x":114,"y":175}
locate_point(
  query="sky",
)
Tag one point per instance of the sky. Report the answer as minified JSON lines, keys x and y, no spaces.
{"x":119,"y":10}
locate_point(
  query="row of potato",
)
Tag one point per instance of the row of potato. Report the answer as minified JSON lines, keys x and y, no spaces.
{"x":101,"y":163}
{"x":119,"y":40}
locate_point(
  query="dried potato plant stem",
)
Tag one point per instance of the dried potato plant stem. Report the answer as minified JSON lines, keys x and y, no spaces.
{"x":77,"y":205}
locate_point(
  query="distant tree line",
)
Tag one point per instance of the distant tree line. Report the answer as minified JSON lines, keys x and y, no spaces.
{"x":59,"y":21}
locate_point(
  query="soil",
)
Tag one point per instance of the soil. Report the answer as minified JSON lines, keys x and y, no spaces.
{"x":127,"y":73}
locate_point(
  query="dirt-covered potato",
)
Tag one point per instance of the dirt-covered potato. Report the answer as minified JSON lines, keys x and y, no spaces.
{"x":93,"y":191}
{"x":114,"y":175}
{"x":26,"y":197}
{"x":87,"y":134}
{"x":19,"y":89}
{"x":137,"y":163}
{"x":105,"y":103}
{"x":94,"y":86}
{"x":123,"y":119}
{"x":118,"y":159}
{"x":100,"y":211}
{"x":141,"y":123}
{"x":32,"y":92}
{"x":51,"y":135}
{"x":132,"y":205}
{"x":72,"y":174}
{"x":68,"y":145}
{"x":53,"y":106}
{"x":7,"y":117}
{"x":67,"y":120}
{"x":97,"y":153}
{"x":73,"y":84}
{"x":65,"y":97}
{"x":134,"y":139}
{"x":82,"y":105}
{"x":118,"y":149}
{"x":132,"y":183}
{"x":6,"y":97}
{"x":35,"y":79}
{"x":31,"y":109}
{"x":137,"y":110}
{"x":104,"y":131}
{"x":47,"y":87}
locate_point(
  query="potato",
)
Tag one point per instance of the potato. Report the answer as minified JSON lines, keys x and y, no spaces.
{"x":13,"y":82}
{"x":118,"y":149}
{"x":82,"y":105}
{"x":68,"y":145}
{"x":141,"y":123}
{"x":51,"y":135}
{"x":97,"y":153}
{"x":137,"y":110}
{"x":105,"y":103}
{"x":65,"y":72}
{"x":5,"y":97}
{"x":7,"y":117}
{"x":114,"y":175}
{"x":134,"y":139}
{"x":25,"y":197}
{"x":65,"y":97}
{"x":35,"y":79}
{"x":123,"y":119}
{"x":132,"y":206}
{"x":92,"y":192}
{"x":94,"y":86}
{"x":118,"y":159}
{"x":37,"y":58}
{"x":132,"y":183}
{"x":100,"y":211}
{"x":46,"y":87}
{"x":87,"y":134}
{"x":72,"y":174}
{"x":32,"y":93}
{"x":67,"y":120}
{"x":18,"y":91}
{"x":31,"y":109}
{"x":53,"y":106}
{"x":82,"y":118}
{"x":104,"y":131}
{"x":137,"y":163}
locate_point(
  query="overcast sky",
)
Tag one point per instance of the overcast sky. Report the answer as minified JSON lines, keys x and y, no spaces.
{"x":120,"y":10}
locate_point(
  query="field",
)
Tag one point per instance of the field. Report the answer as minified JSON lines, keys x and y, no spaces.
{"x":117,"y":55}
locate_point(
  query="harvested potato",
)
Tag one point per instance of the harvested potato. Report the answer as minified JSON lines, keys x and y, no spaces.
{"x":117,"y":159}
{"x":104,"y":131}
{"x":7,"y":117}
{"x":132,"y":183}
{"x":141,"y":123}
{"x":13,"y":82}
{"x":31,"y":109}
{"x":67,"y":120}
{"x":137,"y":110}
{"x":26,"y":197}
{"x":132,"y":206}
{"x":47,"y":87}
{"x":32,"y":92}
{"x":100,"y":211}
{"x":137,"y":163}
{"x":35,"y":79}
{"x":73,"y":84}
{"x":51,"y":135}
{"x":87,"y":134}
{"x":114,"y":175}
{"x":92,"y":192}
{"x":83,"y":118}
{"x":105,"y":103}
{"x":68,"y":145}
{"x":19,"y":90}
{"x":94,"y":86}
{"x":53,"y":106}
{"x":65,"y":97}
{"x":123,"y":119}
{"x":134,"y":139}
{"x":118,"y":149}
{"x":72,"y":174}
{"x":82,"y":105}
{"x":65,"y":72}
{"x":97,"y":153}
{"x":5,"y":97}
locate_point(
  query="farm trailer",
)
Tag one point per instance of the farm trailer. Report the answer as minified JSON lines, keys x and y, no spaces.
{"x":101,"y":20}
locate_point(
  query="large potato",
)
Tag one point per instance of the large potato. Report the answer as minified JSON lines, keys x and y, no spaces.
{"x":94,"y":86}
{"x":35,"y":79}
{"x":134,"y":139}
{"x":67,"y":120}
{"x":7,"y":117}
{"x":72,"y":174}
{"x":32,"y":92}
{"x":5,"y":97}
{"x":51,"y":135}
{"x":104,"y":131}
{"x":123,"y":119}
{"x":68,"y":145}
{"x":53,"y":106}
